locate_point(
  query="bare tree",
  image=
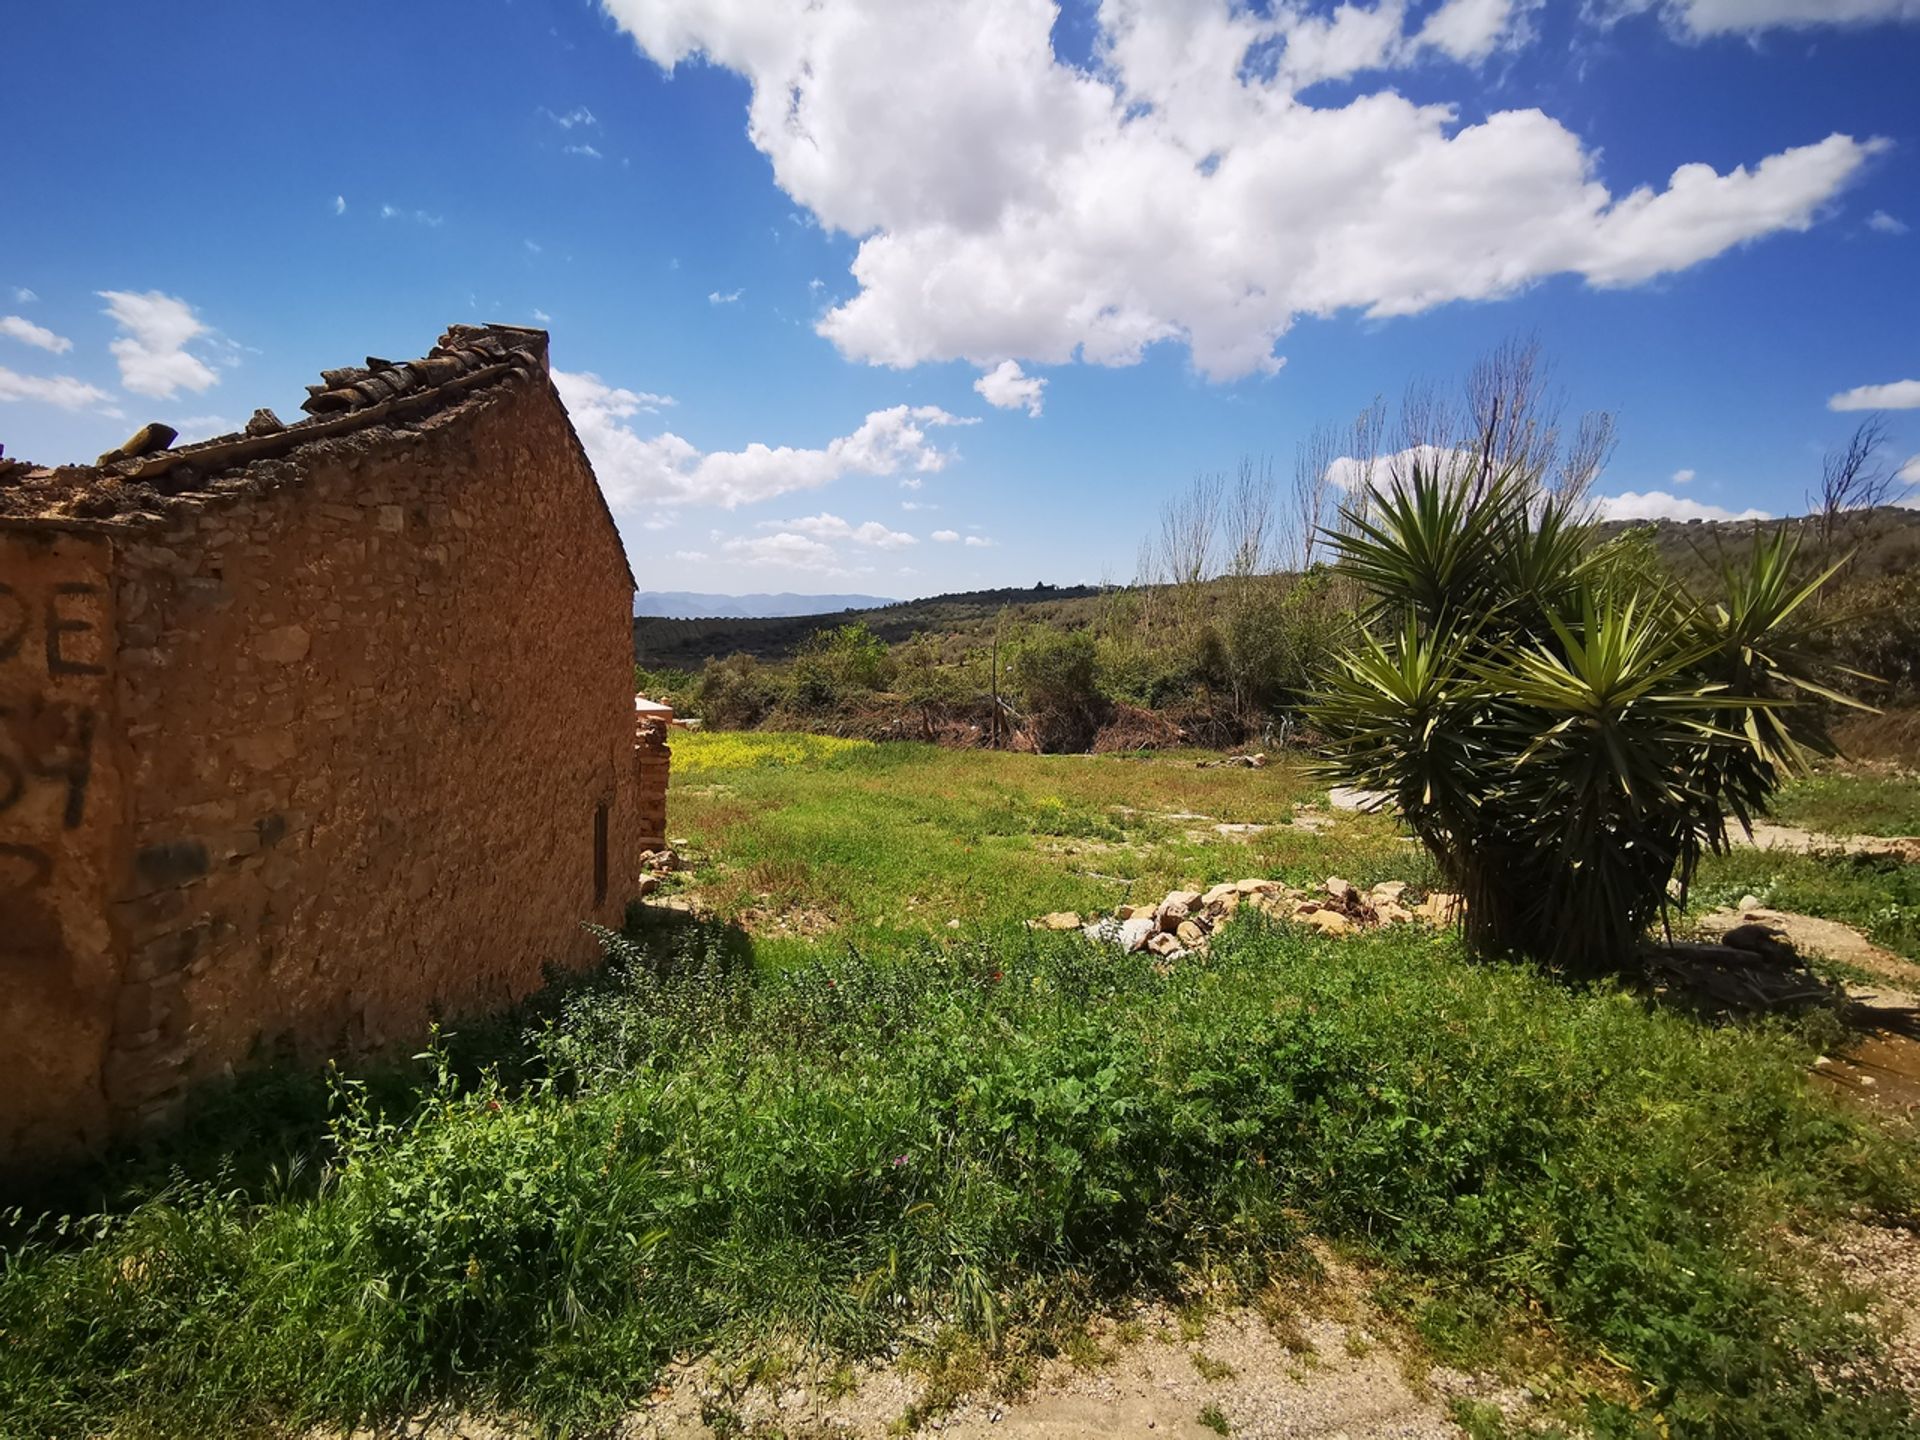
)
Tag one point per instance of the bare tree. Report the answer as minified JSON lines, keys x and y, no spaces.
{"x":1515,"y":416}
{"x":1190,"y":533}
{"x":1250,"y":520}
{"x":1313,"y":460}
{"x":1585,"y":456}
{"x":1853,"y":477}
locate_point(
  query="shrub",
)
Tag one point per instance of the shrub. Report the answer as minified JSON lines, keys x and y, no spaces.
{"x":852,"y":656}
{"x":1056,"y":674}
{"x":735,"y":693}
{"x":1564,"y":738}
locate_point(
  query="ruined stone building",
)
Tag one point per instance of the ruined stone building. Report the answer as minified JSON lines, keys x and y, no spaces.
{"x":307,"y":735}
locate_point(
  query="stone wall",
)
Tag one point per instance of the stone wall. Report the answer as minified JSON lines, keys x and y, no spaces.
{"x":61,"y":851}
{"x":365,"y":756}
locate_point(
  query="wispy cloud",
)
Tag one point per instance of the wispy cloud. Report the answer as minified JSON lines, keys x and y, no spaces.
{"x":580,"y":115}
{"x":23,"y":296}
{"x":38,"y":336}
{"x":418,"y":217}
{"x":63,"y":391}
{"x":716,"y":297}
{"x":1684,"y":477}
{"x":1886,"y":224}
{"x":586,"y":150}
{"x":339,"y":204}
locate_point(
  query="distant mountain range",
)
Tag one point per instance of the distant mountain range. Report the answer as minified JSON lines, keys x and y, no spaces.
{"x":692,"y":605}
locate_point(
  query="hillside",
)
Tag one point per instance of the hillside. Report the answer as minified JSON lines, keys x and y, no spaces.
{"x":697,"y":605}
{"x":669,"y":641}
{"x":1885,"y":541}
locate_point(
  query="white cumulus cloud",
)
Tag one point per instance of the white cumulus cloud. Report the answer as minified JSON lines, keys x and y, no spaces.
{"x":832,"y":527}
{"x":946,"y":537}
{"x":60,"y":390}
{"x":666,"y":469}
{"x":151,"y":350}
{"x":1007,"y":387}
{"x":1659,"y":505}
{"x":788,"y":550}
{"x":1186,"y":187}
{"x":1898,"y":395}
{"x":29,"y":333}
{"x":1684,"y":477}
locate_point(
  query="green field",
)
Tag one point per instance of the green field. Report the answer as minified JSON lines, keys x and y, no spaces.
{"x":829,"y":1122}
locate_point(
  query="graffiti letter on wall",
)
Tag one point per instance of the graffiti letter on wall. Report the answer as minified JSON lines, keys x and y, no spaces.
{"x":13,"y":622}
{"x":58,"y":625}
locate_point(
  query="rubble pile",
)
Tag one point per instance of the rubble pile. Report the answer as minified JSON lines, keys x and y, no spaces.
{"x":1185,"y":920}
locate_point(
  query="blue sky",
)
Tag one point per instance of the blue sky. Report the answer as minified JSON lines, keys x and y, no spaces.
{"x":902,"y":297}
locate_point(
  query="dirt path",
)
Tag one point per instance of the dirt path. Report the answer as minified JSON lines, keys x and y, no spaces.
{"x":1769,"y":836}
{"x":1307,"y":1377}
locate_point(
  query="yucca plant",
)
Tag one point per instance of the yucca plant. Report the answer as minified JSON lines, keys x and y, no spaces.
{"x":1566,"y":734}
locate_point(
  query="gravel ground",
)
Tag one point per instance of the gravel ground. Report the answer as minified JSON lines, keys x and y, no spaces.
{"x":1887,"y":1261}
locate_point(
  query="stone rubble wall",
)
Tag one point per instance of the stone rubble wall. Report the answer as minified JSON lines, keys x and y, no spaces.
{"x":357,"y":718}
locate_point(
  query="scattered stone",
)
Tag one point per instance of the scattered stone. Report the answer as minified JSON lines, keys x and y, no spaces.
{"x":265,"y":422}
{"x":1331,"y":922}
{"x":1749,"y":903}
{"x":645,"y":885}
{"x":1176,"y":907}
{"x":1185,"y":920}
{"x":1058,"y":920}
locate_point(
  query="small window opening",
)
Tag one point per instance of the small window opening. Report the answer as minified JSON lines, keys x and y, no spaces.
{"x":600,"y":854}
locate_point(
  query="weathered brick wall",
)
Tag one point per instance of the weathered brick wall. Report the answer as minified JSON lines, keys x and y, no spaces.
{"x":366,"y":756}
{"x":60,"y":838}
{"x":652,"y":759}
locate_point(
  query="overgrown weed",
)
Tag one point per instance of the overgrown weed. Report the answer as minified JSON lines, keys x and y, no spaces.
{"x":700,"y":1156}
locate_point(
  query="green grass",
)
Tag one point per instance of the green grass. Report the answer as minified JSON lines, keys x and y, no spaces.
{"x":879,"y":843}
{"x":894,"y":1134}
{"x":1852,"y":802}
